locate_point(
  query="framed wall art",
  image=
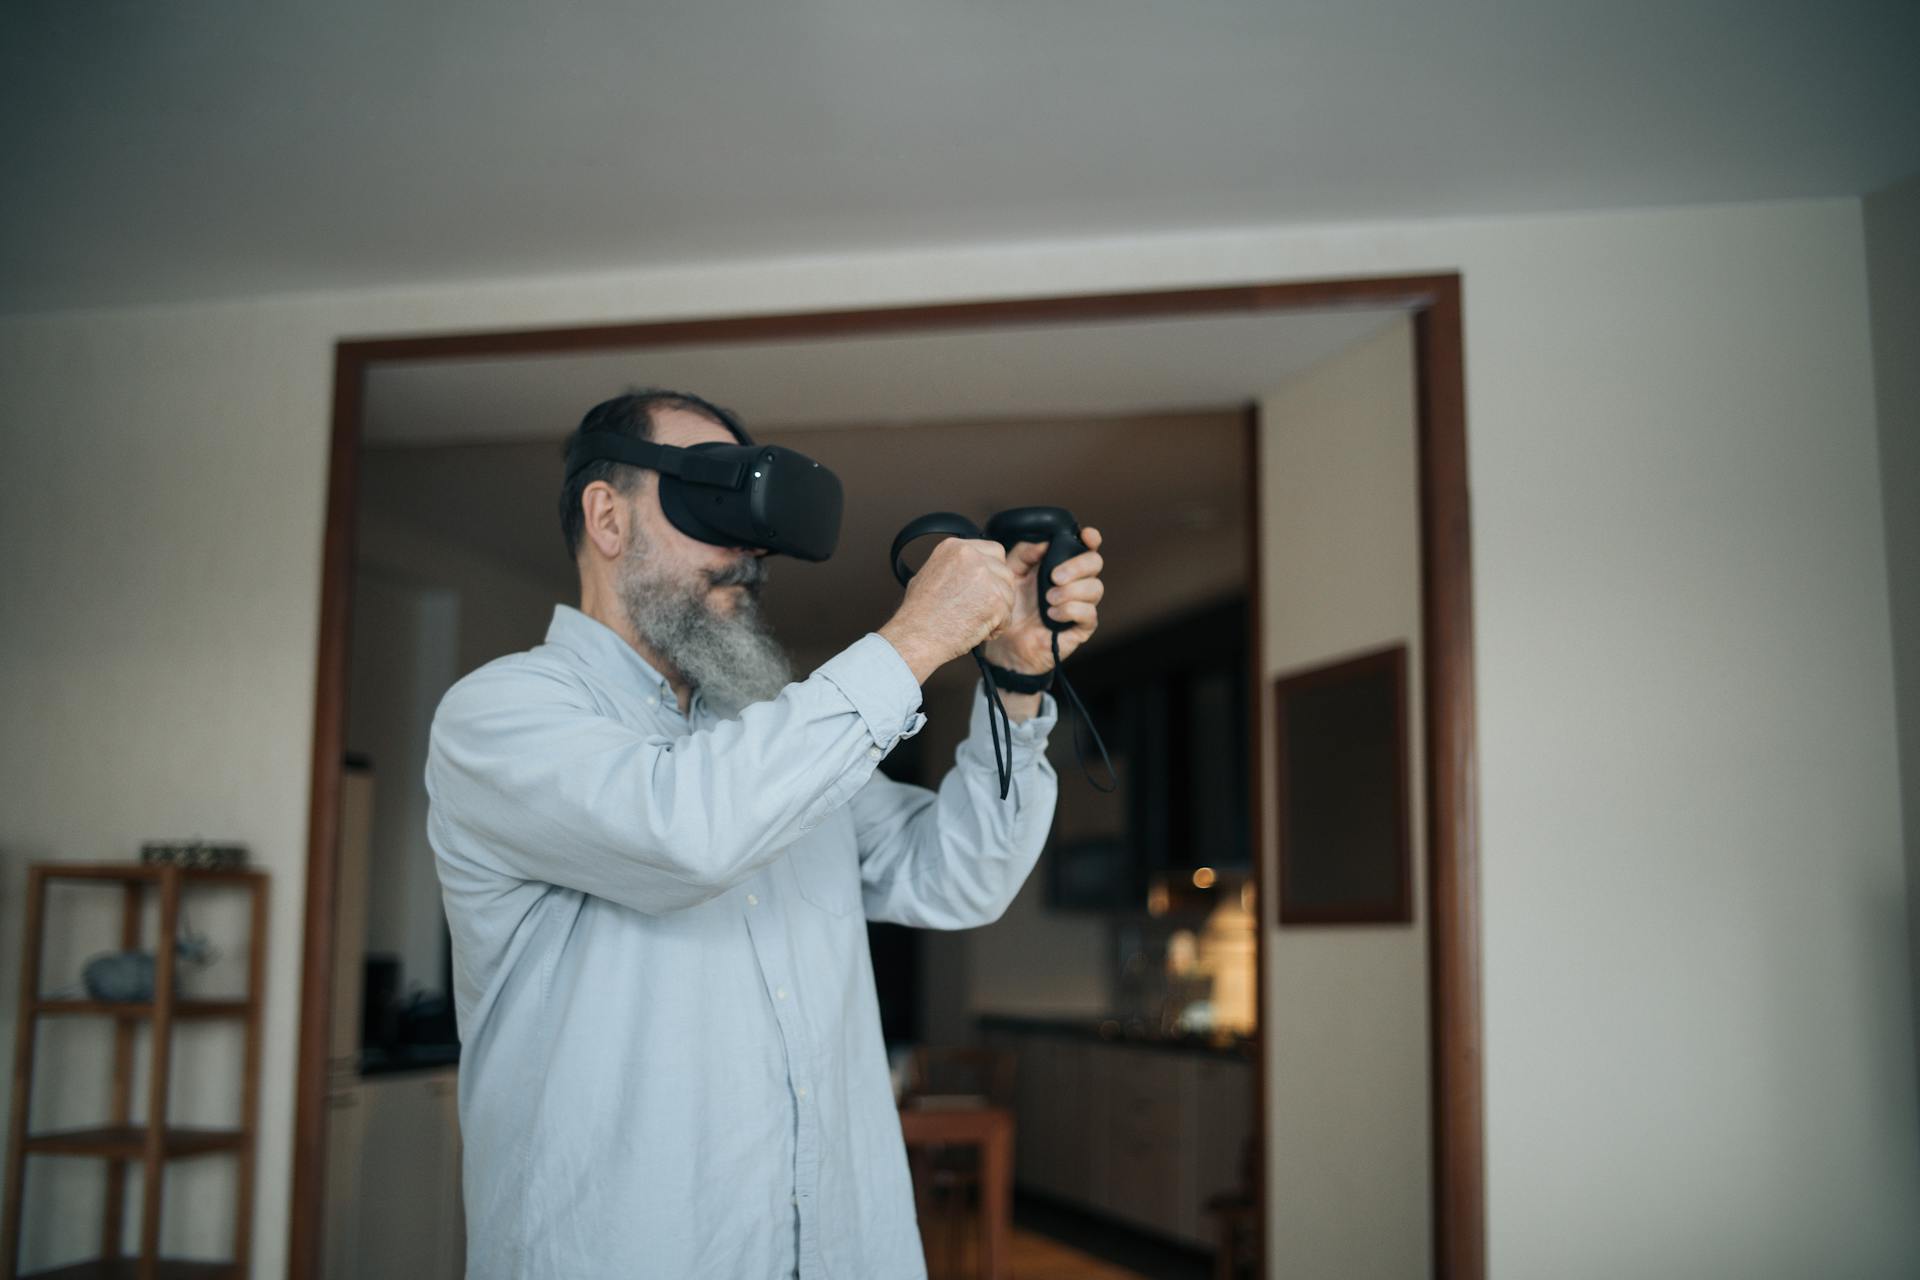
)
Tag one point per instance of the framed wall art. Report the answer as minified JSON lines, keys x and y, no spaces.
{"x":1342,"y":800}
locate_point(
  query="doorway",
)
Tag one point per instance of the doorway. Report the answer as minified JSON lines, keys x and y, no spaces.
{"x":1434,"y":308}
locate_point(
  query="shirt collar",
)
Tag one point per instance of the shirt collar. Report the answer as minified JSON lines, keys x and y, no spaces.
{"x":605,"y":650}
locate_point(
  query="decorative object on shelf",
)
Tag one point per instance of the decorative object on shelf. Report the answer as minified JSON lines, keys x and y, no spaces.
{"x":1341,"y":767}
{"x":120,"y":975}
{"x":128,"y":975}
{"x":202,"y":855}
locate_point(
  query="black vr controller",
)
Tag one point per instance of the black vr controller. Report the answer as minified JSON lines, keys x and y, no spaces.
{"x":1051,"y":525}
{"x":1056,"y":527}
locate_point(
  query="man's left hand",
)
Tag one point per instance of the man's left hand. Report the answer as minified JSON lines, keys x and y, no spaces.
{"x":1025,"y":643}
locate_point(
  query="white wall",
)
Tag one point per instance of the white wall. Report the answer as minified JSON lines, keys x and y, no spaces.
{"x":1893,"y":274}
{"x":1698,"y":1047}
{"x":405,"y":638}
{"x":1348,"y":1142}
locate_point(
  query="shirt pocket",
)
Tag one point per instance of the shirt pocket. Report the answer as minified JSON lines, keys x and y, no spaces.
{"x":826,"y":866}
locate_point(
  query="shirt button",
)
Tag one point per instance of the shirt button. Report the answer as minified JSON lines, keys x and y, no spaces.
{"x":801,"y":1091}
{"x":653,"y":699}
{"x":873,"y":753}
{"x":753,"y":900}
{"x":780,"y":993}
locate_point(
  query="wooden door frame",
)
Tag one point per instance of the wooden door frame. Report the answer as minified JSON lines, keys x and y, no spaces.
{"x":1453,"y":835}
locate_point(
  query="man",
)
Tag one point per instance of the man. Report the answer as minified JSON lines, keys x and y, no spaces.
{"x":658,"y":854}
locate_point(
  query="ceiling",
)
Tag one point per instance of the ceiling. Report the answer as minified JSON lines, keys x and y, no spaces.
{"x":1028,"y":371}
{"x":158,"y":152}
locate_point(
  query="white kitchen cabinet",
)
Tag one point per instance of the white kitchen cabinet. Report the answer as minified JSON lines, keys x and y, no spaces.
{"x":394,"y":1203}
{"x":1225,"y":1124}
{"x":1141,"y":1135}
{"x":346,"y":1127}
{"x":1150,"y":1105}
{"x":393,"y":1206}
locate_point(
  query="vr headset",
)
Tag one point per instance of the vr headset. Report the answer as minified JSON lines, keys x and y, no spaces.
{"x":731,"y":495}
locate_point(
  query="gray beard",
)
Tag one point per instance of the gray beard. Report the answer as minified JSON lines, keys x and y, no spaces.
{"x":733,"y":660}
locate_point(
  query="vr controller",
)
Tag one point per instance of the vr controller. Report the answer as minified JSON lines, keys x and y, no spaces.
{"x":1056,"y":527}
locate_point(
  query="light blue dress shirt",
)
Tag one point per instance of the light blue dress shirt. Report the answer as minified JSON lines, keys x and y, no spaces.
{"x":671,"y":1057}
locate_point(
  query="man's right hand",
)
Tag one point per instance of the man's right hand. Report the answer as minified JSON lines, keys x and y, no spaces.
{"x":960,"y":598}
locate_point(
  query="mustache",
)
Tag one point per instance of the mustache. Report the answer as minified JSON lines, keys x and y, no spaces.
{"x":748,"y":571}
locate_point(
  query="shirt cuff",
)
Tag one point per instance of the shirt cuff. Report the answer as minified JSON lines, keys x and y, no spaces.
{"x":872,"y":675}
{"x":1029,"y":735}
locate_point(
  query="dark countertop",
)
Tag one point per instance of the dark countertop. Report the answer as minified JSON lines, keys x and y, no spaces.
{"x":408,"y":1057}
{"x":1132,"y":1033}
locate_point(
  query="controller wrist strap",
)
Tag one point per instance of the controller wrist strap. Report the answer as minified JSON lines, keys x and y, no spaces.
{"x":1022,"y":682}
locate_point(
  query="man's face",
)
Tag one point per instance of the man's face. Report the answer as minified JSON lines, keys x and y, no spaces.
{"x":697,"y":605}
{"x":731,"y":572}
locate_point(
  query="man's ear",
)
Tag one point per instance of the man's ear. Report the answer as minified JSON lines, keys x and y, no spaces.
{"x":607,"y":515}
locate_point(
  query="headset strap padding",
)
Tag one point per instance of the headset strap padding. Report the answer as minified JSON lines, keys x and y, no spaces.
{"x":671,"y":460}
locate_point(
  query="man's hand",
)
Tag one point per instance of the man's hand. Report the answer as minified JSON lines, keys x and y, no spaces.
{"x":1025,"y":643}
{"x":964,"y":593}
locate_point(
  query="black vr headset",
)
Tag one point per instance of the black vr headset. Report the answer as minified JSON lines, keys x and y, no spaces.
{"x":731,"y":495}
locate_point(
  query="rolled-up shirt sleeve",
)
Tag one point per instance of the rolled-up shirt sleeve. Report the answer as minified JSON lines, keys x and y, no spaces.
{"x":528,"y":774}
{"x":956,"y":857}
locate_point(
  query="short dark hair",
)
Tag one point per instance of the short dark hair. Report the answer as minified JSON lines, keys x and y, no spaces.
{"x":630,"y":415}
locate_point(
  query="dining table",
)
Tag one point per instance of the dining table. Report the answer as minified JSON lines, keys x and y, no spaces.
{"x":968,"y":1122}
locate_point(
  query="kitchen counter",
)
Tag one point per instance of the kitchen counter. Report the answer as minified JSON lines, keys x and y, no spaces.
{"x":408,"y":1057}
{"x":1139,"y":1127}
{"x":1116,"y":1030}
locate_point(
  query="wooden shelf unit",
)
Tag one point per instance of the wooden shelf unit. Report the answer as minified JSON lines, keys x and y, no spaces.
{"x":182,"y":1009}
{"x":129,"y":1269}
{"x":120,"y":1141}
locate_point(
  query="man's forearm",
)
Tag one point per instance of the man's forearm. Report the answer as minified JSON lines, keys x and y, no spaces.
{"x":921,"y":657}
{"x":1020,"y":706}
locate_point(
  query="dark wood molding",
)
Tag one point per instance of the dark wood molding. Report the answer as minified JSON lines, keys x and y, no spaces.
{"x":1453,"y":789}
{"x":1379,"y":291}
{"x":1453,"y":843}
{"x":1391,"y":659}
{"x":1256,"y":822}
{"x":323,"y":823}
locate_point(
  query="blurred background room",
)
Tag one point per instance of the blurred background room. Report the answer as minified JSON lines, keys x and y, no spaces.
{"x":1503,"y":422}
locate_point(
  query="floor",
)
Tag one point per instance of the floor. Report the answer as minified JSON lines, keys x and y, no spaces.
{"x":1031,"y":1257}
{"x":1053,"y":1243}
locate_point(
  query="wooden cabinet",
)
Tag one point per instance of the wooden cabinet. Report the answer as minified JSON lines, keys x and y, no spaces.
{"x":1141,"y":1135}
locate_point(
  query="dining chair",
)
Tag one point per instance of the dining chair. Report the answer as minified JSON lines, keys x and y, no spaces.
{"x":946,"y":1179}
